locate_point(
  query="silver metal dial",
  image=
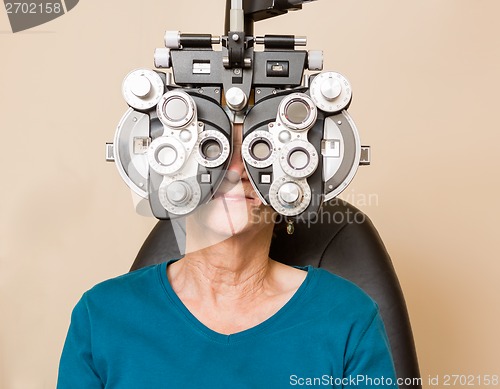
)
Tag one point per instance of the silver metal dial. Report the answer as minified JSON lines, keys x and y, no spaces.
{"x":289,"y":194}
{"x":212,"y":148}
{"x":142,"y":89}
{"x":258,"y":149}
{"x":178,"y":192}
{"x":299,"y":159}
{"x":298,"y":112}
{"x":181,"y":196}
{"x":331,"y":91}
{"x":166,"y":155}
{"x":290,"y":197}
{"x":236,"y":99}
{"x":176,"y":109}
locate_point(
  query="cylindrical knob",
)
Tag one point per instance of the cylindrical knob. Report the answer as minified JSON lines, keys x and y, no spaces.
{"x":162,"y":58}
{"x":331,"y":91}
{"x":172,"y":39}
{"x":315,"y":60}
{"x":139,"y":85}
{"x":178,"y":192}
{"x":289,"y":193}
{"x":331,"y":88}
{"x":142,"y":88}
{"x":236,"y":99}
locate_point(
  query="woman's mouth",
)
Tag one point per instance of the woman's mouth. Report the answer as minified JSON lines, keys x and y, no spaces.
{"x":240,"y":191}
{"x":234,"y":196}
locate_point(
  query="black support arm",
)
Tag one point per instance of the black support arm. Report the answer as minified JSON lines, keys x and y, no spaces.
{"x":256,"y":10}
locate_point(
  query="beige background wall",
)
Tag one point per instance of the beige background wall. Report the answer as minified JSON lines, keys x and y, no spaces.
{"x":426,"y":79}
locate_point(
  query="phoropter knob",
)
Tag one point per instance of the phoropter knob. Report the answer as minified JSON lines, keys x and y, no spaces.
{"x":236,"y":99}
{"x":315,"y":60}
{"x":179,"y":192}
{"x":172,"y":39}
{"x":331,"y":89}
{"x":142,"y":89}
{"x":331,"y":92}
{"x":179,"y":197}
{"x":162,"y":58}
{"x":289,"y":194}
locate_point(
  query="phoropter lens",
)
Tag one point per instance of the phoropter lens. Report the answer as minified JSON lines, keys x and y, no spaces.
{"x":166,"y":156}
{"x":211,"y":149}
{"x":260,"y":149}
{"x":297,"y":112}
{"x":298,"y":159}
{"x":175,"y":109}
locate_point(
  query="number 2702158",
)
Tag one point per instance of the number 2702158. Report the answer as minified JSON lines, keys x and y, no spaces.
{"x":470,"y":380}
{"x":33,"y":8}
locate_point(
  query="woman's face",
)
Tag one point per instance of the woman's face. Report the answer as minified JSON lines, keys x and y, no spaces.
{"x":236,"y":207}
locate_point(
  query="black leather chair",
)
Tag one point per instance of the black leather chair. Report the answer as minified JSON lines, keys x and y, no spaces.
{"x":343,"y":241}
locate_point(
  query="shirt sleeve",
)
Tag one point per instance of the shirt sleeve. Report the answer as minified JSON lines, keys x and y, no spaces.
{"x":371,"y":364}
{"x":76,"y":368}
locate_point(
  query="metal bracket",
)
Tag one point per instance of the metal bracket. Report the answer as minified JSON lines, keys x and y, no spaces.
{"x":110,"y":152}
{"x":366,"y":156}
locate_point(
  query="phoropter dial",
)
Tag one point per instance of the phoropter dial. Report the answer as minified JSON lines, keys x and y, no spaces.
{"x":258,"y":149}
{"x":289,"y":194}
{"x":331,"y":92}
{"x":297,"y":112}
{"x":299,"y":159}
{"x":212,"y":149}
{"x":181,"y":196}
{"x":142,"y":89}
{"x":176,"y":109}
{"x":290,"y":197}
{"x":166,"y":155}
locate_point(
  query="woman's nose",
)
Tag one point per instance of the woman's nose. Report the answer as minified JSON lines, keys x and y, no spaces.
{"x":236,"y":169}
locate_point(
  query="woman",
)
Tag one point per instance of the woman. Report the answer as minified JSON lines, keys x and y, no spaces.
{"x":226,"y":315}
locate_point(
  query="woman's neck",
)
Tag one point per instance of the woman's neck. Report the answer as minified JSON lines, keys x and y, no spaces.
{"x":235,"y":269}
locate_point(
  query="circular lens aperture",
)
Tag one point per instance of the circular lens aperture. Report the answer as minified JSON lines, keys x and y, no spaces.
{"x":166,"y":156}
{"x":297,"y":111}
{"x":260,"y":149}
{"x":210,"y":148}
{"x":298,"y":159}
{"x":175,"y":109}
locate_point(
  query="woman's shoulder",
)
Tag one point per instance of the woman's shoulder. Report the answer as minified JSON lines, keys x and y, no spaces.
{"x":333,"y":292}
{"x":127,"y":283}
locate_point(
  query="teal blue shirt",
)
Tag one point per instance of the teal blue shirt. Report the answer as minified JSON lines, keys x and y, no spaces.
{"x":133,"y":332}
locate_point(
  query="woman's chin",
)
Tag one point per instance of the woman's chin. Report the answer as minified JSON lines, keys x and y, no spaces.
{"x":224,"y":217}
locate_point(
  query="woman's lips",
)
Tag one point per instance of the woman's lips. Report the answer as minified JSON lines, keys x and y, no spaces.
{"x":237,"y":197}
{"x":237,"y":192}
